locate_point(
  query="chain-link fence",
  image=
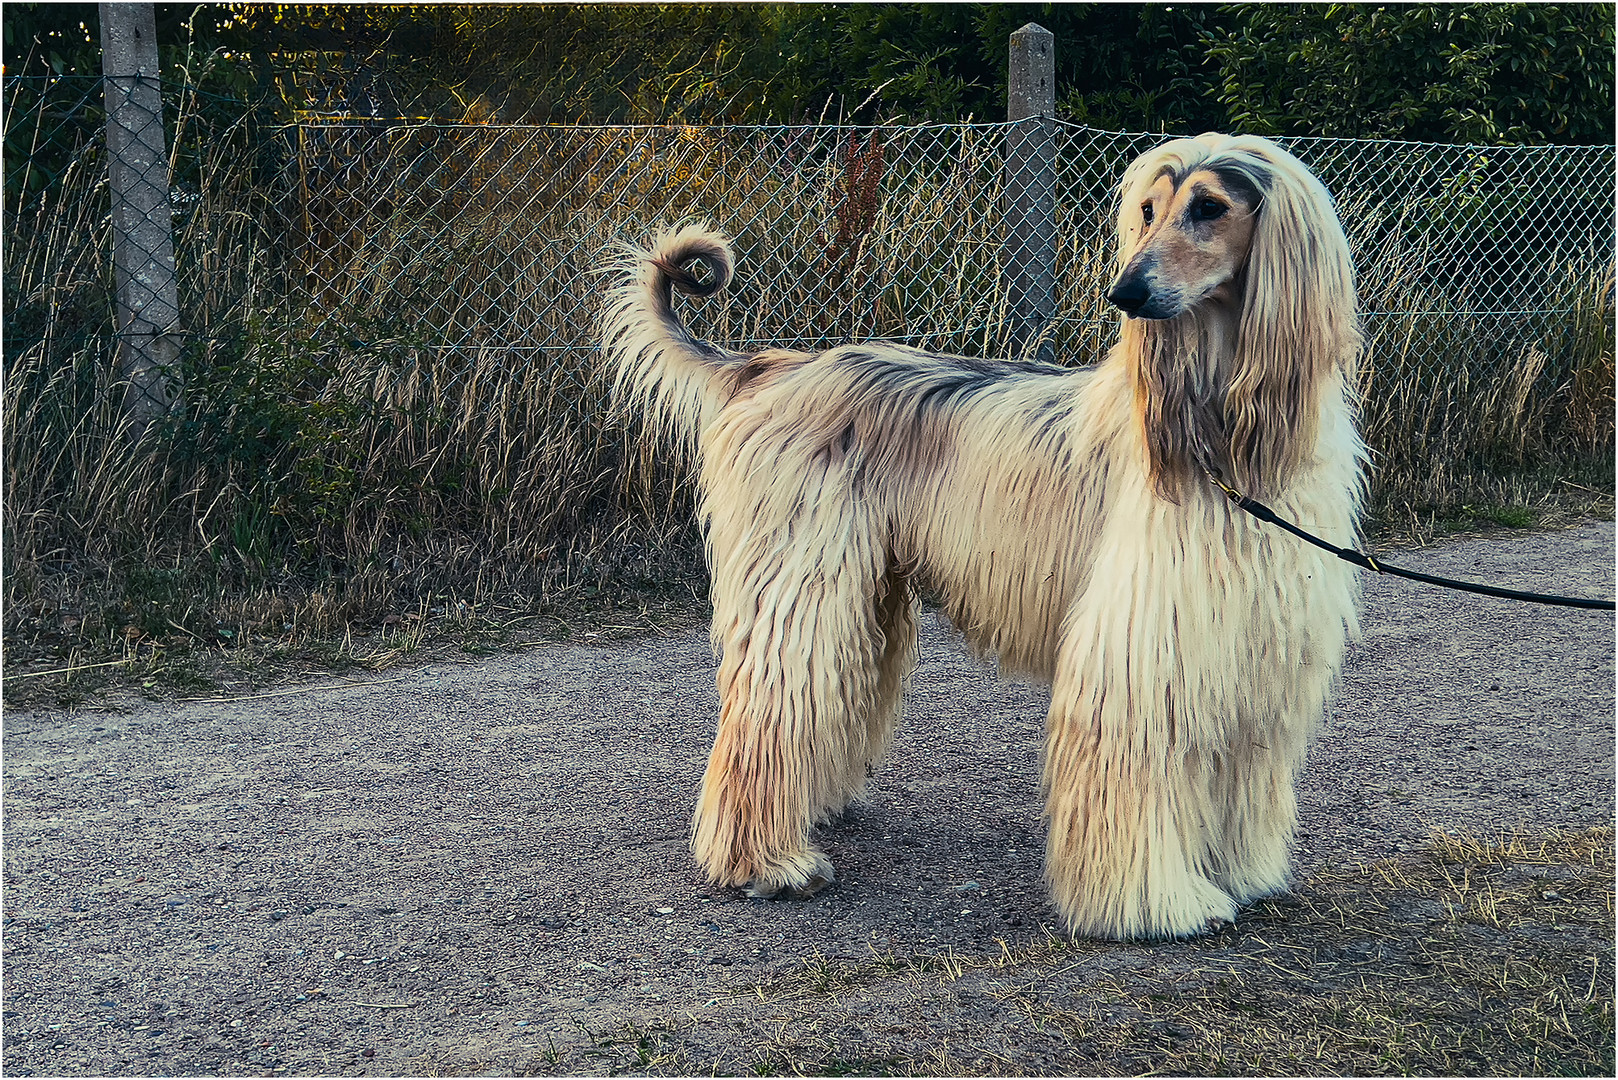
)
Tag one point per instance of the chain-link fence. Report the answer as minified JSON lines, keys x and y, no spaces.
{"x":477,"y":236}
{"x":467,"y":237}
{"x":387,"y":327}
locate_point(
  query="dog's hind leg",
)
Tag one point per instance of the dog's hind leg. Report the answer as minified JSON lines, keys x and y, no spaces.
{"x":895,"y":614}
{"x":808,"y":683}
{"x":754,"y":812}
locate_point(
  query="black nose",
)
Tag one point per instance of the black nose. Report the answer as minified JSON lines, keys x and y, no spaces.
{"x":1129,"y":293}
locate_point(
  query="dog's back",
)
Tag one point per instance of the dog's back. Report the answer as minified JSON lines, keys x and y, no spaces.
{"x":895,"y":434}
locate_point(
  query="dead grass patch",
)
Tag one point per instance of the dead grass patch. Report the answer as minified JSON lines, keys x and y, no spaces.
{"x":49,"y":664}
{"x":1481,"y":955}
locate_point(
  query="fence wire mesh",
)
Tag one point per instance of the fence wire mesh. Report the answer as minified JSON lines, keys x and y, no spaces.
{"x":477,"y":237}
{"x":490,"y":236}
{"x":481,"y":243}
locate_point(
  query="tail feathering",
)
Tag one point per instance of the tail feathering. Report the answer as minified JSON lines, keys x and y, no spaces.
{"x":672,"y":378}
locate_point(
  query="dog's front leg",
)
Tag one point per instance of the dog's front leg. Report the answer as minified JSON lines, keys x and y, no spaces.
{"x":1127,"y":805}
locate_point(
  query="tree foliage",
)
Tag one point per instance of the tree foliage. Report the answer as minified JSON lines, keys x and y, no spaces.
{"x":1450,"y":72}
{"x":1117,"y":65}
{"x":1487,"y":73}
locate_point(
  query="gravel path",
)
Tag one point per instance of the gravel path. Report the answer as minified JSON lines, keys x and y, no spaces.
{"x":464,"y":866}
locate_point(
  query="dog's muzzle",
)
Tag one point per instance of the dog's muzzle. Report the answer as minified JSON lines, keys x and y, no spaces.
{"x":1133,"y":294}
{"x":1130,"y":294}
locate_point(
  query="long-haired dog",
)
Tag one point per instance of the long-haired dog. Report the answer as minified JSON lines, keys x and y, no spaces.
{"x":1067,"y":517}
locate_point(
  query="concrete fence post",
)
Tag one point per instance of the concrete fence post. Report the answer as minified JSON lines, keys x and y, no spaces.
{"x":144,"y":276}
{"x":1029,"y":243}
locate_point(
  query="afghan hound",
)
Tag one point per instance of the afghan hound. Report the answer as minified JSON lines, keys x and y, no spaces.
{"x":1069,"y":519}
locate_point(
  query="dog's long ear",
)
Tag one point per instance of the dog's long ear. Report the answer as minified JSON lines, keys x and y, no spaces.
{"x":1298,"y":319}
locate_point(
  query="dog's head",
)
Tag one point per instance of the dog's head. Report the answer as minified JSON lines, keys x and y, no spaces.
{"x":1234,"y":232}
{"x":1221,"y":219}
{"x":1185,"y":231}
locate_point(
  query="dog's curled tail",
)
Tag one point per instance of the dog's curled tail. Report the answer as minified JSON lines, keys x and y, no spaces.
{"x":675,"y":380}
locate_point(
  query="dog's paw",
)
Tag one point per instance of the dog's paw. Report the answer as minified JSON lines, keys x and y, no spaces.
{"x":1196,"y":907}
{"x":790,"y":892}
{"x":1202,"y":909}
{"x":798,"y":882}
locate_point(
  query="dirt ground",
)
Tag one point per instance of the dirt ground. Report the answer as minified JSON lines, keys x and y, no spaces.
{"x":481,"y":866}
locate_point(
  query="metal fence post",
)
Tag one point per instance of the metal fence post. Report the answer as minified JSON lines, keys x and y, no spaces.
{"x":144,"y":275}
{"x":1029,"y":244}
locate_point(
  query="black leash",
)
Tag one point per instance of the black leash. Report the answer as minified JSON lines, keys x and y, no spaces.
{"x":1264,"y":513}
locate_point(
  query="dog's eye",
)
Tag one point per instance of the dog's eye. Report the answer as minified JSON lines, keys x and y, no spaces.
{"x":1208,"y":209}
{"x":1146,"y":213}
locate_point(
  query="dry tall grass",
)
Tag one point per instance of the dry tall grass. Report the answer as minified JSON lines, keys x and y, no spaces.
{"x":1511,"y":415}
{"x":394,"y":404}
